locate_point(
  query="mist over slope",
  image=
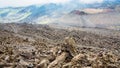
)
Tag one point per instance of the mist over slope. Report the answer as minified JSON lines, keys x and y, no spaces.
{"x":105,"y":14}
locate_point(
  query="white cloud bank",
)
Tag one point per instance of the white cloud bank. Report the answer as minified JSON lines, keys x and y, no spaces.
{"x":91,"y":1}
{"x":17,"y":3}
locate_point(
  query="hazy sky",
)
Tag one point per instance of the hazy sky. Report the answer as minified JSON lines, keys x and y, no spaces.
{"x":17,"y":3}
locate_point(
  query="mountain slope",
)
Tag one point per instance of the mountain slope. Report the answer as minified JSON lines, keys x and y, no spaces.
{"x":26,"y":14}
{"x":35,"y":13}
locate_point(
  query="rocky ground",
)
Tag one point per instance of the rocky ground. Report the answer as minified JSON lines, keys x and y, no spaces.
{"x":42,"y":46}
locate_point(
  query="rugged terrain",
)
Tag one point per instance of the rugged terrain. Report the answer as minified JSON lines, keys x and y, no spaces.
{"x":47,"y":46}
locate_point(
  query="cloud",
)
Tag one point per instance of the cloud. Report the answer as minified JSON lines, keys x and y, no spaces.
{"x":17,"y":3}
{"x":91,"y":1}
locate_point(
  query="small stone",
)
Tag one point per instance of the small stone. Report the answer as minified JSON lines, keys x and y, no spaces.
{"x":30,"y":66}
{"x":7,"y":58}
{"x":37,"y":60}
{"x":22,"y":62}
{"x":44,"y":63}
